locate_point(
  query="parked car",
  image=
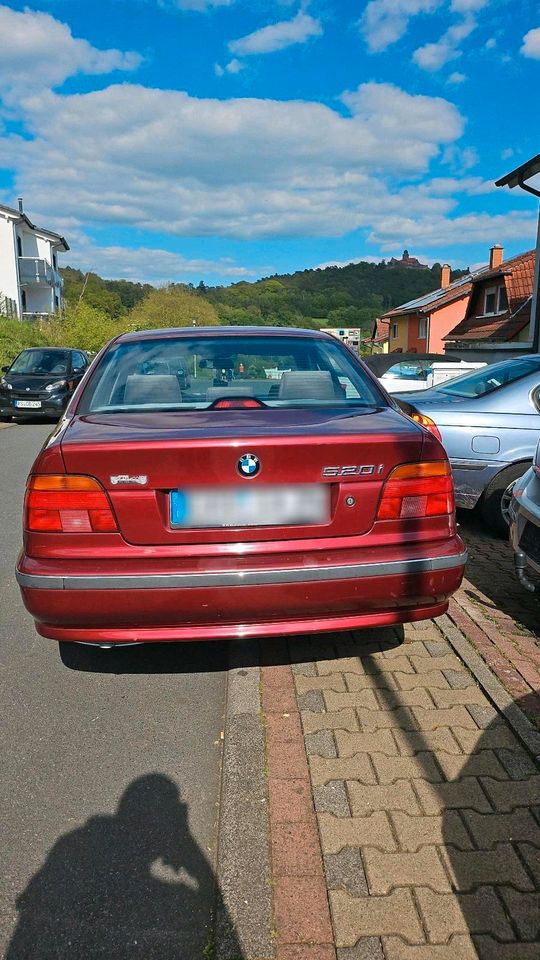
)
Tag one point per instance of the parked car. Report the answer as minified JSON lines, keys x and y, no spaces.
{"x":40,"y":382}
{"x":255,"y":507}
{"x":408,"y":371}
{"x":489,"y":423}
{"x":525,"y":524}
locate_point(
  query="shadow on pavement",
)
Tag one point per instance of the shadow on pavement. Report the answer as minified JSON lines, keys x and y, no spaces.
{"x":131,"y":886}
{"x":490,"y":575}
{"x":480,"y":787}
{"x":206,"y":656}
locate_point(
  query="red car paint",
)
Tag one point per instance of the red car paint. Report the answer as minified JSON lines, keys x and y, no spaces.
{"x":148,"y":581}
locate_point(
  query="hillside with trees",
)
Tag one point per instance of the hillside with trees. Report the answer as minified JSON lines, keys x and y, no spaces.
{"x":351,"y":296}
{"x":97,"y":310}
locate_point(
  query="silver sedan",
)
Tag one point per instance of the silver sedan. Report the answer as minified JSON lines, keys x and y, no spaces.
{"x":489,"y":423}
{"x":525,"y":524}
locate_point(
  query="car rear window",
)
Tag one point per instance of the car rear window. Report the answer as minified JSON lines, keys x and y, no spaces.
{"x":191,"y":372}
{"x":490,"y":378}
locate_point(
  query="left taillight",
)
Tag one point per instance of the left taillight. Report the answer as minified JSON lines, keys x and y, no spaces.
{"x":66,"y":503}
{"x":416,"y":490}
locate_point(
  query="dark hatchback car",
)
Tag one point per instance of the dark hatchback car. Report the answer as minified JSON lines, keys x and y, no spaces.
{"x":40,"y":382}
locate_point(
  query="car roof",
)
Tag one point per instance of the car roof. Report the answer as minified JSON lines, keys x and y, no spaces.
{"x":256,"y":331}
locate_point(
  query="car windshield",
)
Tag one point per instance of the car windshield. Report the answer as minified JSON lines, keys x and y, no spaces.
{"x":190,"y":372}
{"x":490,"y":378}
{"x":41,"y":361}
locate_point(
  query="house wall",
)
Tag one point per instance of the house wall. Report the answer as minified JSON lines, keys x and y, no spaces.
{"x":9,"y":286}
{"x":40,"y":297}
{"x":442,"y":321}
{"x":401,"y":341}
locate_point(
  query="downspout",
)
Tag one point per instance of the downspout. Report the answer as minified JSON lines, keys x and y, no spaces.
{"x":535,"y":306}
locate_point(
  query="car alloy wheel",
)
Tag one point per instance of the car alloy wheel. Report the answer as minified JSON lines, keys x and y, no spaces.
{"x":506,"y":500}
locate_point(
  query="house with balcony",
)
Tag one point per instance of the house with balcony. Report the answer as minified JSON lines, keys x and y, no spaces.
{"x":30,"y":283}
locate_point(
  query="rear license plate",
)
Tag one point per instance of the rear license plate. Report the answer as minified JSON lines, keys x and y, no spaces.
{"x":271,"y":506}
{"x":28,"y":404}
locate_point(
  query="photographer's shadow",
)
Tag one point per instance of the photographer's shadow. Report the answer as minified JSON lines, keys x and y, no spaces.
{"x":132,"y":885}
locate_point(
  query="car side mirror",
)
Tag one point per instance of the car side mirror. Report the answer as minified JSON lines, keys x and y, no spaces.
{"x":4,"y":369}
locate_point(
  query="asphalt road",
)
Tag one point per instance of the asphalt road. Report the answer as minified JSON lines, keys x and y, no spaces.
{"x":109,"y":781}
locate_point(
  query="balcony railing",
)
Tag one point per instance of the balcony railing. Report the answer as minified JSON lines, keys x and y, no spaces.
{"x":37,"y":270}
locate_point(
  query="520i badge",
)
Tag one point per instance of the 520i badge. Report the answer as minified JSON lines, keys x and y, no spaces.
{"x":361,"y":470}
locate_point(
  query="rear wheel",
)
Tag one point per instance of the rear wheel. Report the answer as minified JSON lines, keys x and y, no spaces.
{"x":497,"y":497}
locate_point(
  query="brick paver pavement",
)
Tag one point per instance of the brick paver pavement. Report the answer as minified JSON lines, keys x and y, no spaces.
{"x":404,"y":813}
{"x":498,"y":616}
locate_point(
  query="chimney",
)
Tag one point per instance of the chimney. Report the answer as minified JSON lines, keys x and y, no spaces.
{"x":445,"y":275}
{"x":20,"y":205}
{"x":496,"y":255}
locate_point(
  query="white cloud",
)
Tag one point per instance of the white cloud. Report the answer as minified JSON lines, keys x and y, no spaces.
{"x":200,"y":6}
{"x":150,"y":265}
{"x":277,"y":36}
{"x":468,"y":6}
{"x":441,"y":232}
{"x":531,"y":44}
{"x":37,"y":51}
{"x":162,"y":160}
{"x":456,"y":78}
{"x":234,"y":66}
{"x":386,"y":21}
{"x":433,"y":56}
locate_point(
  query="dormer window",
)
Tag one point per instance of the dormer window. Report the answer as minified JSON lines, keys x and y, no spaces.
{"x":495,"y":300}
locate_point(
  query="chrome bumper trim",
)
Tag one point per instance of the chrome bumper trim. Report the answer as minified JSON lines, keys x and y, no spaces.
{"x":238,"y":578}
{"x":469,"y":464}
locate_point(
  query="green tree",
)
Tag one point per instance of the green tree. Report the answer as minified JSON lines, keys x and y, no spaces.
{"x":172,"y":306}
{"x":81,"y":326}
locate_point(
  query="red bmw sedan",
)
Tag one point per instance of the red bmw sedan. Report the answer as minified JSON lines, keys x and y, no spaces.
{"x":234,"y":482}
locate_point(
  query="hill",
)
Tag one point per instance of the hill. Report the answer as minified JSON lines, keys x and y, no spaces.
{"x":350,"y":296}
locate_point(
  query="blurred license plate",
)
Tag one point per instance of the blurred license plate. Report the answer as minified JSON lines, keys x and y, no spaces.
{"x":264,"y":507}
{"x":28,"y":404}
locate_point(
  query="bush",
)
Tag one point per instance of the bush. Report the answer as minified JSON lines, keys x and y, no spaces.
{"x":82,"y":327}
{"x":16,"y":335}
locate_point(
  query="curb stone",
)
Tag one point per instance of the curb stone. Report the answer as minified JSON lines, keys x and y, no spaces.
{"x":491,"y":686}
{"x":244,"y":910}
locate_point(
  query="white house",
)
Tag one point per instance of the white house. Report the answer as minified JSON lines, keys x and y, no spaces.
{"x":30,"y":282}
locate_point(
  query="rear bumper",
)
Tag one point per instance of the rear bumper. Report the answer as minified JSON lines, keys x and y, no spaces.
{"x":129,"y":606}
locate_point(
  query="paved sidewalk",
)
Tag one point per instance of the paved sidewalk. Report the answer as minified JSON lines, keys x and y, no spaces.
{"x":404,"y":813}
{"x":498,"y":616}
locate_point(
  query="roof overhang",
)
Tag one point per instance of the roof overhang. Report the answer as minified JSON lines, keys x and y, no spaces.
{"x":519,"y":176}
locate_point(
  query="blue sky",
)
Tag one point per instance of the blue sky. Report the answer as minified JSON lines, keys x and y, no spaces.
{"x":221,"y":139}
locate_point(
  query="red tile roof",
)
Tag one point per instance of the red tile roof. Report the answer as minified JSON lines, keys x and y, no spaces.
{"x":382,"y":331}
{"x":518,"y":276}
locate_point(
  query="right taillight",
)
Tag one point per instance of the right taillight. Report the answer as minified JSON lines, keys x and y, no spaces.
{"x":427,"y":423}
{"x":415,"y":490}
{"x":63,"y":503}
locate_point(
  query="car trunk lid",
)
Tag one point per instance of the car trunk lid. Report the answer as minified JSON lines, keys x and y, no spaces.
{"x":142,"y":458}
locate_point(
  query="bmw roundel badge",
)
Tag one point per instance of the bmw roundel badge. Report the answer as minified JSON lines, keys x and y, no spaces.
{"x":249,"y":465}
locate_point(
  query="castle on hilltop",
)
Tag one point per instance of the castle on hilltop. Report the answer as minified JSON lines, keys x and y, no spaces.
{"x":407,"y":261}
